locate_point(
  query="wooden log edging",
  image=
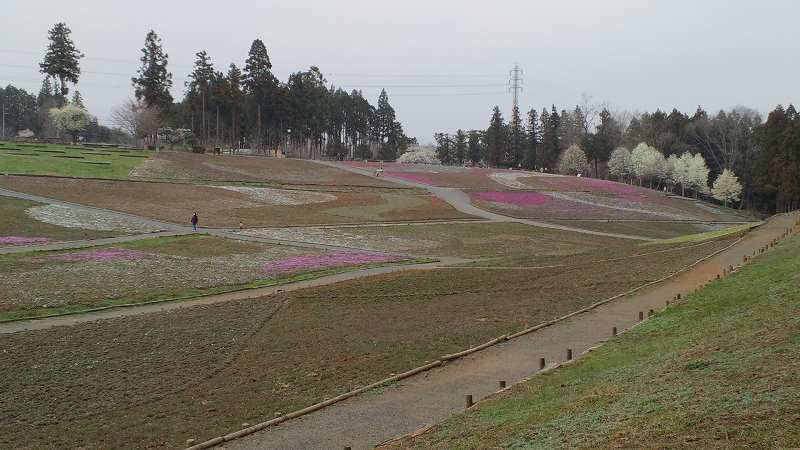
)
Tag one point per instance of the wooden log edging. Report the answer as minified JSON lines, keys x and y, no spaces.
{"x":446,"y":358}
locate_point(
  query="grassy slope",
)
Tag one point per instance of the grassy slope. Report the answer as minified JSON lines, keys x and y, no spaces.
{"x":718,"y":370}
{"x":14,"y":222}
{"x":700,"y":237}
{"x":47,"y":162}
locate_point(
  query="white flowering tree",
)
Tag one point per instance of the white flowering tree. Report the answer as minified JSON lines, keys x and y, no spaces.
{"x":727,"y":187}
{"x":680,"y":170}
{"x":70,"y":119}
{"x":647,"y":162}
{"x":619,"y":163}
{"x":573,"y":161}
{"x":698,"y":174}
{"x":419,"y":155}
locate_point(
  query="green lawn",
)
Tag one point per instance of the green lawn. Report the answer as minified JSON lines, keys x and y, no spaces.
{"x":718,"y":370}
{"x":700,"y":237}
{"x":68,"y":160}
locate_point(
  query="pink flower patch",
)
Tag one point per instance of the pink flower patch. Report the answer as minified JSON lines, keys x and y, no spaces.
{"x":110,"y":254}
{"x":409,"y":176}
{"x":336,"y":259}
{"x":630,"y":193}
{"x":23,"y":240}
{"x":513,"y":198}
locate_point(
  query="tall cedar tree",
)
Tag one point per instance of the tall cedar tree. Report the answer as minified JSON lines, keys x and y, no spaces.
{"x":235,"y":98}
{"x":516,"y":139}
{"x":384,"y":124}
{"x":555,"y":126}
{"x":545,"y":158}
{"x":495,"y":138}
{"x":153,"y":82}
{"x":61,"y":58}
{"x":531,"y":140}
{"x":201,"y":78}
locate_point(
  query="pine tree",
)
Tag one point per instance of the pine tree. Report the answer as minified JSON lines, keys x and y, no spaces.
{"x":61,"y":58}
{"x":153,"y":82}
{"x":516,"y":139}
{"x":235,"y":98}
{"x":555,"y":126}
{"x":77,"y":99}
{"x":201,"y":77}
{"x":383,"y":125}
{"x":544,"y":151}
{"x":495,"y":138}
{"x":531,"y":141}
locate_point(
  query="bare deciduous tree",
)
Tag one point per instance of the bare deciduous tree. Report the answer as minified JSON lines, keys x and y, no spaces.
{"x":139,"y":120}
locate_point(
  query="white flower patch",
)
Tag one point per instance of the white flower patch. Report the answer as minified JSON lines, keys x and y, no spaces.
{"x":344,"y":238}
{"x":281,"y":197}
{"x":510,"y":179}
{"x":66,"y":216}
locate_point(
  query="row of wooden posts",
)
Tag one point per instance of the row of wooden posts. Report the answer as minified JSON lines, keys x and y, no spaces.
{"x":468,"y":399}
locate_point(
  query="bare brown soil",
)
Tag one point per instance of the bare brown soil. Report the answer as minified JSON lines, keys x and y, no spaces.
{"x":191,"y":166}
{"x":214,"y":368}
{"x":174,"y":202}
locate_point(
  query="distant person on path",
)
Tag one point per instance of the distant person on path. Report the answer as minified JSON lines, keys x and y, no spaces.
{"x":194,"y":221}
{"x":379,"y":171}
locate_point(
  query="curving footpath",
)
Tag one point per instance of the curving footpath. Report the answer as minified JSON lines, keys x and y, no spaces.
{"x":369,"y":419}
{"x":461,"y":202}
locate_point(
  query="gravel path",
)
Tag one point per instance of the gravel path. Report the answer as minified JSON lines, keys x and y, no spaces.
{"x":88,"y":243}
{"x":369,"y":419}
{"x":462,"y":203}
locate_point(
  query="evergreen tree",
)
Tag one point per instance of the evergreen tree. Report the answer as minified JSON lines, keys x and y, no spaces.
{"x":444,"y":147}
{"x":201,"y":78}
{"x":383,"y":125}
{"x":495,"y":138}
{"x":555,"y":127}
{"x":235,"y":98}
{"x":153,"y":82}
{"x":460,"y":148}
{"x":475,"y":147}
{"x":516,"y":139}
{"x":531,"y":141}
{"x":77,"y":99}
{"x":61,"y":58}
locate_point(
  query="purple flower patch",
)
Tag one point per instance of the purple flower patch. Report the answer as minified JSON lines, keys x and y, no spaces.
{"x":109,"y":254}
{"x":336,"y":259}
{"x":513,"y":198}
{"x":23,"y":240}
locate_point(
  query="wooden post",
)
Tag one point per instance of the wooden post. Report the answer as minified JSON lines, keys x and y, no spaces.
{"x":502,"y":384}
{"x":541,"y":363}
{"x":468,"y":400}
{"x":569,"y":354}
{"x":614,"y":331}
{"x":641,"y":316}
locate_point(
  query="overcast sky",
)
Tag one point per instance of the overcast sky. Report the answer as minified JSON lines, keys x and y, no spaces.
{"x":445,"y":64}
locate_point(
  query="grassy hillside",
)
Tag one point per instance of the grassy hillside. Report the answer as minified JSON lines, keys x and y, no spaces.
{"x":717,"y":370}
{"x":83,"y":161}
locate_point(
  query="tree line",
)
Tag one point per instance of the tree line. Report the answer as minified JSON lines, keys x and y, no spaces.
{"x":763,"y":155}
{"x":240,"y":107}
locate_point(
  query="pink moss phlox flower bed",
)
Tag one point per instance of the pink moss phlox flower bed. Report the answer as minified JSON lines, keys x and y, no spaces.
{"x":23,"y":240}
{"x":335,"y":259}
{"x":409,"y":176}
{"x":110,"y":254}
{"x":630,"y":193}
{"x":514,"y":198}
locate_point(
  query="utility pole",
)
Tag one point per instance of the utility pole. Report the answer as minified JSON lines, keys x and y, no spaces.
{"x":515,"y":83}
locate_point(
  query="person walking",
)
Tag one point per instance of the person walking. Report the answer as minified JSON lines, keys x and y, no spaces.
{"x":194,"y":221}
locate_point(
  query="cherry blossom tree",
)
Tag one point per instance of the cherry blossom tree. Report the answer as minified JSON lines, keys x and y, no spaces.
{"x":727,"y":187}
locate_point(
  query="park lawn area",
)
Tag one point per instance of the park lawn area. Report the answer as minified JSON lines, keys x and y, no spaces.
{"x":226,"y":206}
{"x":188,"y":166}
{"x":57,"y":282}
{"x":158,"y":379}
{"x":655,"y":230}
{"x":18,"y":228}
{"x":492,"y":244}
{"x":718,"y":370}
{"x":81,"y":161}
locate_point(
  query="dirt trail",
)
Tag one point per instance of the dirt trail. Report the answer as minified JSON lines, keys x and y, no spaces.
{"x":462,"y":203}
{"x":366,"y":420}
{"x":75,"y":319}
